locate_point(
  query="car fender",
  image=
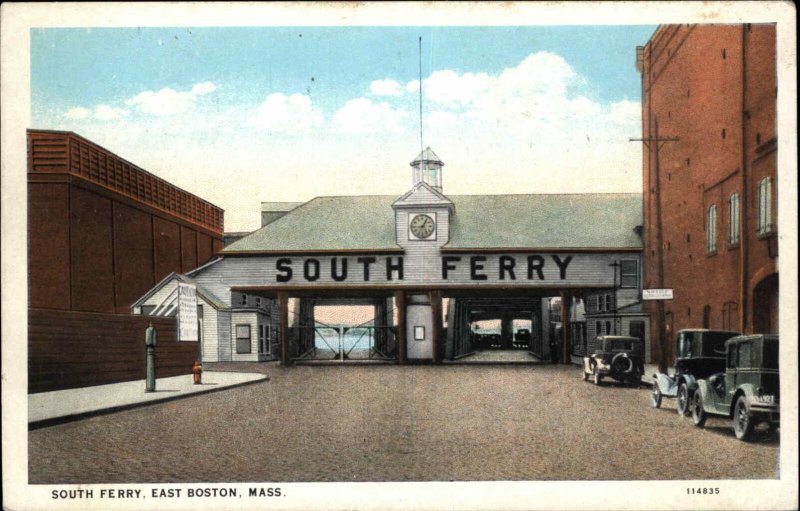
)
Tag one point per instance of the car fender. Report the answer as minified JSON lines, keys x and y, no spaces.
{"x":748,"y":390}
{"x":667,"y":385}
{"x":690,"y":382}
{"x":750,"y":393}
{"x":587,"y":365}
{"x":706,"y":394}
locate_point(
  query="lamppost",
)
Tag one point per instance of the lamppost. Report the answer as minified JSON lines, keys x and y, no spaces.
{"x":615,"y":265}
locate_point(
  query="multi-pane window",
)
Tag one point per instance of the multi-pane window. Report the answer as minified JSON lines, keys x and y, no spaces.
{"x":263,"y":339}
{"x":601,"y":303}
{"x":711,"y":229}
{"x":765,"y":206}
{"x":244,"y":299}
{"x":243,"y":338}
{"x":629,"y":273}
{"x":733,"y":220}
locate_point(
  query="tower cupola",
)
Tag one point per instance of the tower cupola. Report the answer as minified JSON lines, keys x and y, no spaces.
{"x":428,"y":167}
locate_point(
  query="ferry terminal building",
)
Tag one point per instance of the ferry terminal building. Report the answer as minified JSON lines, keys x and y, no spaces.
{"x":432,"y":267}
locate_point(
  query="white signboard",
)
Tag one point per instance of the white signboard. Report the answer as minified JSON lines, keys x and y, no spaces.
{"x":187,"y":312}
{"x":656,"y":294}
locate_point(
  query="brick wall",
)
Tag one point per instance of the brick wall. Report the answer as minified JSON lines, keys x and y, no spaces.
{"x":712,"y":87}
{"x":69,"y":349}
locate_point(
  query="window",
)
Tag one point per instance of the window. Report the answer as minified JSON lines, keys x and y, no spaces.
{"x":609,"y":305}
{"x":765,"y":206}
{"x":732,"y":355}
{"x":263,"y":339}
{"x":258,"y":301}
{"x":599,"y":327}
{"x":745,"y":355}
{"x":243,"y":338}
{"x":629,"y":273}
{"x":711,"y":229}
{"x":733,"y":220}
{"x":707,"y":316}
{"x":244,"y":299}
{"x":608,"y":327}
{"x":419,"y":333}
{"x":601,"y":303}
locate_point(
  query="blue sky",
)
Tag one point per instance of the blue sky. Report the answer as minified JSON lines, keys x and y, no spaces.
{"x":296,"y":112}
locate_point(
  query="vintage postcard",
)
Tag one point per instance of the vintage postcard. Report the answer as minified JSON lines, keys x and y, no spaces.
{"x":399,"y":256}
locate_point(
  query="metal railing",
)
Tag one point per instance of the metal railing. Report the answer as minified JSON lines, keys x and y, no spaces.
{"x":343,"y":343}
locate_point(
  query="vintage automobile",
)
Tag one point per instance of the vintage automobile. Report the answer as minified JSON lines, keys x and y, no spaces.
{"x":699,"y":354}
{"x":748,"y":391}
{"x":619,"y":357}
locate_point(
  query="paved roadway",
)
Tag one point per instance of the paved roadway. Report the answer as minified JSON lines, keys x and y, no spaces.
{"x":393,"y":423}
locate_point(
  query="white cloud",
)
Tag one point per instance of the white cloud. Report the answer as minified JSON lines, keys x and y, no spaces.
{"x":287,"y":114}
{"x":625,"y":112}
{"x":449,"y":88}
{"x":168,"y":101}
{"x":109,"y":113}
{"x":78,"y":113}
{"x":203,"y":88}
{"x":361,"y":115}
{"x":412,"y":86}
{"x":100,"y":113}
{"x":385,"y":88}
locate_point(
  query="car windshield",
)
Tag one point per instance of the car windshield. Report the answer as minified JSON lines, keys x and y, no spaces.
{"x":770,"y":353}
{"x":714,"y":343}
{"x":619,"y":345}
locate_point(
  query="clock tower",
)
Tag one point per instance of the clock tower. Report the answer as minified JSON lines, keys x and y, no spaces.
{"x":422,"y":216}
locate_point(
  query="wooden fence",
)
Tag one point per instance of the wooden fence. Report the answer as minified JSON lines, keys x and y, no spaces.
{"x":68,"y":349}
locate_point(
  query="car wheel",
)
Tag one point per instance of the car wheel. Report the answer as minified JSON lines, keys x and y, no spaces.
{"x":683,"y":400}
{"x":742,"y":422}
{"x":698,"y":412}
{"x":655,"y":396}
{"x":596,"y":378}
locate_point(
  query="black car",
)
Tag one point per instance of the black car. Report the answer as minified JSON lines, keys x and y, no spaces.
{"x":700,"y":353}
{"x":617,"y":356}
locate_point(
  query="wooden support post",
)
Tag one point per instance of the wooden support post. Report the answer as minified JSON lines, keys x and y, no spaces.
{"x":565,"y":313}
{"x":436,"y":335}
{"x":400,"y":303}
{"x":283,"y":325}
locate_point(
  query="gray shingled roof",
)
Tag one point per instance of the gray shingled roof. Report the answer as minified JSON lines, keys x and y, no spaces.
{"x":546,"y":220}
{"x":363,"y":222}
{"x":578,"y":221}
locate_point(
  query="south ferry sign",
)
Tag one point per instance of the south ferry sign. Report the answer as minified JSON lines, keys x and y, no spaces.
{"x":479,"y":268}
{"x":578,"y":269}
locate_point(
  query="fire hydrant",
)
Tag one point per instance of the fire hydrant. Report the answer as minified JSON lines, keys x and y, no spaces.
{"x":197,"y":370}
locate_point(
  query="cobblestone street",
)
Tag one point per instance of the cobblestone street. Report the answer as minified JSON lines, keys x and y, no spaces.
{"x":400,"y":423}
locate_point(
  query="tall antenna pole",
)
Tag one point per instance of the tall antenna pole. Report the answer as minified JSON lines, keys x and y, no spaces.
{"x":420,"y":96}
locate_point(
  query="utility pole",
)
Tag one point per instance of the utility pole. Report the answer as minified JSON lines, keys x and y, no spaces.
{"x":654,"y":145}
{"x":615,"y":265}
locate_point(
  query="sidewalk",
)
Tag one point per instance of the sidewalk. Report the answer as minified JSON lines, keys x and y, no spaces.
{"x":46,"y":408}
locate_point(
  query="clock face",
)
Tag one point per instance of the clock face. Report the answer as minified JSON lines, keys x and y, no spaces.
{"x":422,"y":226}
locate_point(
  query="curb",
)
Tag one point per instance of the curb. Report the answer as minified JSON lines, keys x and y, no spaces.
{"x":53,"y":421}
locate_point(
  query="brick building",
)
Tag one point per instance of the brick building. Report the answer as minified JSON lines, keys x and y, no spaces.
{"x":710,"y":178}
{"x":101,"y":232}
